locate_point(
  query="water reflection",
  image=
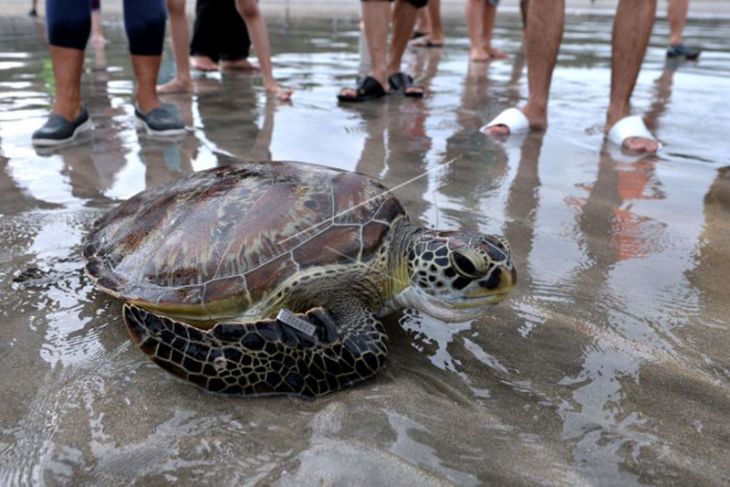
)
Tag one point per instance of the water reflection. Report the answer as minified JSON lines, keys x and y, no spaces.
{"x":608,"y":365}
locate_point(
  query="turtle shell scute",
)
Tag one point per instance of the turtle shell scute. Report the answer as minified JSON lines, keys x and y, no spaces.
{"x":236,"y":230}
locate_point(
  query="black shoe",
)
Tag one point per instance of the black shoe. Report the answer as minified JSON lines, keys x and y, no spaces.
{"x":57,"y":130}
{"x":33,"y":13}
{"x":680,"y":50}
{"x":163,"y":120}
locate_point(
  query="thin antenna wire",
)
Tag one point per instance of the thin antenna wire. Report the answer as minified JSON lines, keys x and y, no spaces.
{"x":352,"y":208}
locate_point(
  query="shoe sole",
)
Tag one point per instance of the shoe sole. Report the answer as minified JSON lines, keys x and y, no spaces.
{"x":141,"y":124}
{"x":56,"y":142}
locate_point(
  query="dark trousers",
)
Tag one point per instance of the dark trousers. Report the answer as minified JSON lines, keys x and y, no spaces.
{"x":69,"y":23}
{"x":219,"y":32}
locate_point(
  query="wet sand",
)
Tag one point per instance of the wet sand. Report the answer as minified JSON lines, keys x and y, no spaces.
{"x":609,"y":365}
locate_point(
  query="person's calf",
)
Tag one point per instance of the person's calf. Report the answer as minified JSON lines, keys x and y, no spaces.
{"x":146,"y":70}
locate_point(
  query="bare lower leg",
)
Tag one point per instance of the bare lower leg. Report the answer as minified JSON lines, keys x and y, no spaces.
{"x":474,"y":11}
{"x":490,"y":13}
{"x":423,"y":23}
{"x":251,"y":14}
{"x":180,"y":41}
{"x":631,"y":30}
{"x":404,"y":17}
{"x":375,"y":15}
{"x":434,"y":14}
{"x":97,"y":33}
{"x":677,"y":13}
{"x":146,"y":69}
{"x":67,"y":67}
{"x":545,"y":21}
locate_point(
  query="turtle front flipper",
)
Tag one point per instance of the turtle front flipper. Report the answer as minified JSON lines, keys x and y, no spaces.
{"x":267,"y":356}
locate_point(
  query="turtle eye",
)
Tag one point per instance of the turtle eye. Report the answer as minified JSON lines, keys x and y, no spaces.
{"x":471,"y":266}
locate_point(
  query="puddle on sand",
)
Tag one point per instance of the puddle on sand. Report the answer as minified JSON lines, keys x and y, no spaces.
{"x":608,"y":365}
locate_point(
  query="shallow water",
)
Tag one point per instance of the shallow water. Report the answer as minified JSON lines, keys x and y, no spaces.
{"x":609,"y":365}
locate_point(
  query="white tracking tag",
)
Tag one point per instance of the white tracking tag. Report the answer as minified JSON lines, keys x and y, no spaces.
{"x":289,"y":318}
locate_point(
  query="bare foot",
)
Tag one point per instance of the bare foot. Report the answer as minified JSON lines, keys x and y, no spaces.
{"x":535,"y":117}
{"x":176,"y":85}
{"x":640,"y":145}
{"x":495,"y":53}
{"x":238,"y":65}
{"x":478,"y":55}
{"x":203,"y":63}
{"x":281,"y":93}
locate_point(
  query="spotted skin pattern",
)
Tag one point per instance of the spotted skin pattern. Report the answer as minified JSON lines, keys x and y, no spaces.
{"x":448,"y":261}
{"x":205,"y":264}
{"x":264,"y":357}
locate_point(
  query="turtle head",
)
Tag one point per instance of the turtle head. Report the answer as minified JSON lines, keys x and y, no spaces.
{"x":456,"y":276}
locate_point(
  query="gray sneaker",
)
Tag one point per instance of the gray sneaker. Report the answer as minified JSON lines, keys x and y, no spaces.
{"x":163,"y":120}
{"x":57,"y":130}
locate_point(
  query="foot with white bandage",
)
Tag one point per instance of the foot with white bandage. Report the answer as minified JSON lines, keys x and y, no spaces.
{"x":514,"y":121}
{"x":631,"y":134}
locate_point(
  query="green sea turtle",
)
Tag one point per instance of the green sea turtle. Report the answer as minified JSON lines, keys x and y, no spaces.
{"x":271,"y":278}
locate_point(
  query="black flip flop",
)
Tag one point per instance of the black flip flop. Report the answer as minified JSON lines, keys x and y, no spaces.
{"x":417,"y":33}
{"x":368,"y":89}
{"x":400,"y":82}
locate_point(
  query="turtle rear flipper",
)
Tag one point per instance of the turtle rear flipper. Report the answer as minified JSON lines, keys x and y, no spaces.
{"x":265,"y":357}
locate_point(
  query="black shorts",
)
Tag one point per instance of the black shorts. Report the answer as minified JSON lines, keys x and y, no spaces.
{"x":415,"y":3}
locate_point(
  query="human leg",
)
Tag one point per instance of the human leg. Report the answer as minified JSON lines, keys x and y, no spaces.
{"x":490,"y":13}
{"x":544,"y":31}
{"x":205,"y":45}
{"x":235,"y":41}
{"x":404,"y":18}
{"x":251,"y":14}
{"x":677,"y":14}
{"x":437,"y":29}
{"x":631,"y":31}
{"x":375,"y":16}
{"x":474,"y":12}
{"x":423,"y":24}
{"x":435,"y":35}
{"x":97,"y":33}
{"x":144,"y":21}
{"x":68,"y":24}
{"x":180,"y":38}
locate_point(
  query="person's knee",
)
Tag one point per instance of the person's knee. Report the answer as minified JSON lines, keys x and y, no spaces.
{"x":248,"y":9}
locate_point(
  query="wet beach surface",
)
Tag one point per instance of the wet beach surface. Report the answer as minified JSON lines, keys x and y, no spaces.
{"x":609,"y":365}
